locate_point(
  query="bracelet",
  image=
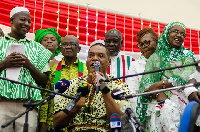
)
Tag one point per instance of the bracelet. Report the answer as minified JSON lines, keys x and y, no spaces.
{"x":157,"y":95}
{"x":163,"y":84}
{"x":105,"y":90}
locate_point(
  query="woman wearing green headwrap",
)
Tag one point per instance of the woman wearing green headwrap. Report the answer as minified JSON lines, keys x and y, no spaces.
{"x":50,"y":39}
{"x":161,"y":112}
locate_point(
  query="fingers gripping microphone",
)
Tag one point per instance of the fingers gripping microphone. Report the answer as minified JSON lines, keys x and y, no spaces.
{"x":97,"y":68}
{"x":115,"y":123}
{"x":118,"y":94}
{"x":82,"y":91}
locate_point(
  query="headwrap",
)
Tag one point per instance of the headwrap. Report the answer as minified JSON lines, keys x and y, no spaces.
{"x":160,"y":59}
{"x":40,"y":33}
{"x":17,"y":10}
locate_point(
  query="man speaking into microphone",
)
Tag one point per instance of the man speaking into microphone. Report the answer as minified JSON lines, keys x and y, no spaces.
{"x":92,"y":112}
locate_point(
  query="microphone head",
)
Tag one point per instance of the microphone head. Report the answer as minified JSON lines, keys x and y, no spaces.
{"x":126,"y":125}
{"x":97,"y":64}
{"x":115,"y":121}
{"x":189,"y":117}
{"x":84,"y":89}
{"x":117,"y":94}
{"x":62,"y":85}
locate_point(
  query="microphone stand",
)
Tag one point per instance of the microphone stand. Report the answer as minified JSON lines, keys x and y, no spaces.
{"x":143,"y":73}
{"x":30,"y":106}
{"x":25,"y":129}
{"x":49,"y":91}
{"x":161,"y":90}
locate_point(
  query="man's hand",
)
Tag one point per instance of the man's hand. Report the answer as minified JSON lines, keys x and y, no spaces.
{"x":80,"y":104}
{"x":194,"y":96}
{"x":43,"y":127}
{"x":13,"y":60}
{"x":94,"y":77}
{"x":26,"y":61}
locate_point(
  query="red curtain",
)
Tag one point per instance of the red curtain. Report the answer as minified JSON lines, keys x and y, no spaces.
{"x":87,"y":24}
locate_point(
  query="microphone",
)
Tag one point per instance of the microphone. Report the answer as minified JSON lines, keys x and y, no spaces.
{"x":97,"y":68}
{"x":189,"y":117}
{"x":82,"y":91}
{"x":126,"y":125}
{"x":133,"y":120}
{"x":115,"y":123}
{"x":118,"y":94}
{"x":61,"y":86}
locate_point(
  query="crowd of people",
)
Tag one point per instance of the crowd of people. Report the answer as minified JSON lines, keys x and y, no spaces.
{"x":160,"y":112}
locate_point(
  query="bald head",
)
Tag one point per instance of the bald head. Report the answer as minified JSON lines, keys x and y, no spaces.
{"x":70,"y":38}
{"x":113,"y":31}
{"x":113,"y":41}
{"x":70,"y":46}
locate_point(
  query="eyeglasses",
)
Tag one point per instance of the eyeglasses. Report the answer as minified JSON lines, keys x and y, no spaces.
{"x":64,"y":45}
{"x":177,"y":32}
{"x":146,"y":43}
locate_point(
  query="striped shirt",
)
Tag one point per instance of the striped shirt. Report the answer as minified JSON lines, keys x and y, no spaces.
{"x":38,"y":56}
{"x":119,"y":65}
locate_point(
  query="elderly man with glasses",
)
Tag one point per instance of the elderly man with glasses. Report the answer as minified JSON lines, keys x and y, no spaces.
{"x":68,"y":68}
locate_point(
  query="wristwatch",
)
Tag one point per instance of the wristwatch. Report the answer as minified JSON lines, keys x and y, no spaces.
{"x":105,"y":90}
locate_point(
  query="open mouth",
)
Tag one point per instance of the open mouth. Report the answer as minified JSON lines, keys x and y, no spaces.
{"x":49,"y":45}
{"x":92,"y":65}
{"x":178,"y":40}
{"x":111,"y":50}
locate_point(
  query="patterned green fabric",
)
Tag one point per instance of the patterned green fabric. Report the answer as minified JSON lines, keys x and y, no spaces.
{"x":59,"y":66}
{"x":40,"y":33}
{"x":38,"y":56}
{"x":165,"y":56}
{"x":93,"y":116}
{"x":68,"y":73}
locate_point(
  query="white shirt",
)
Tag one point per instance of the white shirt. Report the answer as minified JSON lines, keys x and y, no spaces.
{"x":137,"y":66}
{"x":119,"y":64}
